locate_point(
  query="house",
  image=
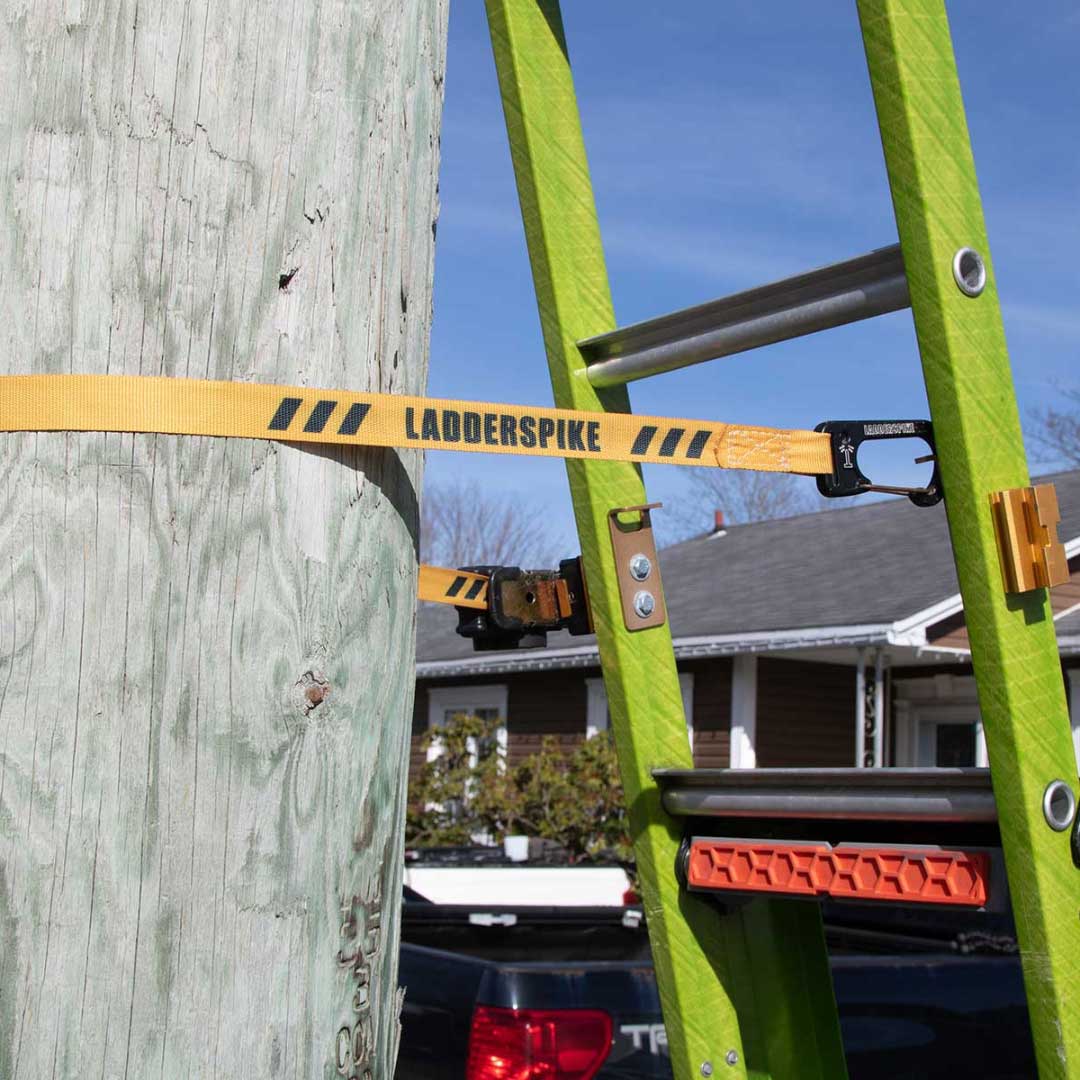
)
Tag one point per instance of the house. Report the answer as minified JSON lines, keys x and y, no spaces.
{"x":797,"y":641}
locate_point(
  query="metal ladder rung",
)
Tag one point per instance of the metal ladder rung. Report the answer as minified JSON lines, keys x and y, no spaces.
{"x":844,"y":292}
{"x":961,"y":795}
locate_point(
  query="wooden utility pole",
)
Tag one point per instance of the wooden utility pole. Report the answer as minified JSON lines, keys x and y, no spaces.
{"x":206,"y":645}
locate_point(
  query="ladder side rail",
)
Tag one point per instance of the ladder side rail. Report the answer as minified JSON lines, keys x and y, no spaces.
{"x":972,"y":401}
{"x":751,"y":989}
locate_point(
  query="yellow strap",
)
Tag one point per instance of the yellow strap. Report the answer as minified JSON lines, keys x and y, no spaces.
{"x":300,"y":414}
{"x":458,"y":587}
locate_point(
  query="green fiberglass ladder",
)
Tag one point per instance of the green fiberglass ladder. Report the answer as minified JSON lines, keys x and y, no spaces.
{"x":747,"y":991}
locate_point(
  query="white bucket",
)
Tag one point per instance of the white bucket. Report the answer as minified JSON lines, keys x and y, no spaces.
{"x":516,"y":848}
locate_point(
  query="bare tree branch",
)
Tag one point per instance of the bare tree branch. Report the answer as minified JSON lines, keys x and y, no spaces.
{"x":462,"y":525}
{"x":743,"y":497}
{"x":1057,"y":430}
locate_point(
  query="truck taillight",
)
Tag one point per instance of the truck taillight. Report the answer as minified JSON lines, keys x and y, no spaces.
{"x":537,"y":1044}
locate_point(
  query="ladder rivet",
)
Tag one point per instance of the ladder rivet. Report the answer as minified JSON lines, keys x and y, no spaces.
{"x":1059,"y":805}
{"x":644,"y":603}
{"x":969,"y":270}
{"x":640,"y":567}
{"x":706,"y":1068}
{"x":732,"y":1057}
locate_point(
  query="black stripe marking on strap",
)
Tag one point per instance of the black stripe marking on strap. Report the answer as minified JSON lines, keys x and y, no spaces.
{"x":477,"y":588}
{"x":285,"y":413}
{"x":698,"y":444}
{"x":319,"y":415}
{"x":354,"y":418}
{"x":456,"y":585}
{"x":644,"y":437}
{"x":671,"y":440}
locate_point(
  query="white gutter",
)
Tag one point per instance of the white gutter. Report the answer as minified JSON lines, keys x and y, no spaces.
{"x":1065,"y":612}
{"x":916,"y":624}
{"x":782,"y":640}
{"x":501,"y":663}
{"x":685,"y":648}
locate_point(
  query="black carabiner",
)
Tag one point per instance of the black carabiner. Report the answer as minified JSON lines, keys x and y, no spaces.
{"x":848,"y":479}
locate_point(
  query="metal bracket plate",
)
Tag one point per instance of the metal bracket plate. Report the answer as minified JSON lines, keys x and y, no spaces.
{"x":1025,"y":524}
{"x":637,"y":567}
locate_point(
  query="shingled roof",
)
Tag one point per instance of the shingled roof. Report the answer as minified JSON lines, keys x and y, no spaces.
{"x":869,"y":565}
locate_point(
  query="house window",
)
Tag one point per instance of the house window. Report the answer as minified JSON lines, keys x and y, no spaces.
{"x":596,"y":712}
{"x":486,"y":702}
{"x":938,"y":723}
{"x":596,"y":707}
{"x":953,"y":744}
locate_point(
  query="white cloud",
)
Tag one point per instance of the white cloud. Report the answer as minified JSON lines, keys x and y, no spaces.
{"x":1058,"y":321}
{"x":719,"y":258}
{"x":792,"y":154}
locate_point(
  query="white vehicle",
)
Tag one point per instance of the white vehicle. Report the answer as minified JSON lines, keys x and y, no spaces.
{"x":481,"y":876}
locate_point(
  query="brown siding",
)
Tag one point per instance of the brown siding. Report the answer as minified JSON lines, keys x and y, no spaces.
{"x":420,"y":709}
{"x":712,"y":749}
{"x":545,"y":703}
{"x":805,"y":714}
{"x":416,"y":757}
{"x":712,"y":712}
{"x":925,"y":671}
{"x":555,"y":703}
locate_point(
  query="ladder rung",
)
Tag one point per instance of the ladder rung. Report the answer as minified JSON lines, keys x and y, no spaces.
{"x":951,"y":795}
{"x":844,"y":292}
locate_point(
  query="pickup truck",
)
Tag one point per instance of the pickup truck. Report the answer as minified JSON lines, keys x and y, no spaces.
{"x":468,"y":875}
{"x":524,"y":993}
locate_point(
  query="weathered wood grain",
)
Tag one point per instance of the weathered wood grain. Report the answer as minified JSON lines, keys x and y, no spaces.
{"x":206,"y":646}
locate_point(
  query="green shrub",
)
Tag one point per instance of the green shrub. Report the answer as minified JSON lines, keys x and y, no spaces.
{"x":468,"y":791}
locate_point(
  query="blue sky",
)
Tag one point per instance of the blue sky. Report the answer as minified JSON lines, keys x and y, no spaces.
{"x":731,"y":145}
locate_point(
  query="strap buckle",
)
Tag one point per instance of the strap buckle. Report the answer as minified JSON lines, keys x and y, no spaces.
{"x":524,"y":605}
{"x":848,"y":479}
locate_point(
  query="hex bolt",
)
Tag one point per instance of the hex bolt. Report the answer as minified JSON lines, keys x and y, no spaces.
{"x":732,"y":1057}
{"x":1059,"y":805}
{"x":644,"y":604}
{"x":706,"y":1068}
{"x":969,"y":271}
{"x":640,"y":567}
